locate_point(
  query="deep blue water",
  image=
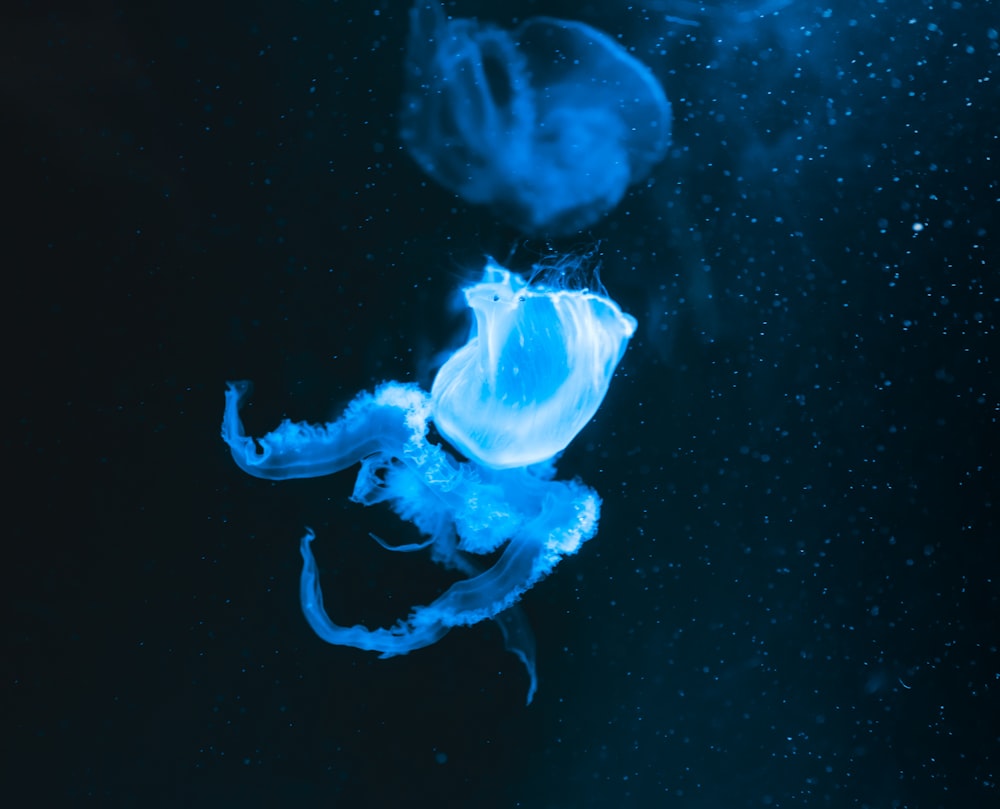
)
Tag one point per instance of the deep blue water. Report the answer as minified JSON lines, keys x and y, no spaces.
{"x":793,"y":597}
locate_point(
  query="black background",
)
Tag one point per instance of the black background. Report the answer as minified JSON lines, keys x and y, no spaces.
{"x":793,"y":597}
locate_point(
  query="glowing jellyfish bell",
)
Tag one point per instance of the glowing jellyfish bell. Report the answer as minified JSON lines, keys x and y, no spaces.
{"x":548,"y":123}
{"x":533,"y":373}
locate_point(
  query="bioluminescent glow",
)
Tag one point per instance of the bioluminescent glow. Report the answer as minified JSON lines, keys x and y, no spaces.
{"x":533,"y":373}
{"x":548,"y":123}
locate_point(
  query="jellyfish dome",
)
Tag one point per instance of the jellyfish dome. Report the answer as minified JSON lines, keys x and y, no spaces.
{"x":548,"y":123}
{"x":533,"y":373}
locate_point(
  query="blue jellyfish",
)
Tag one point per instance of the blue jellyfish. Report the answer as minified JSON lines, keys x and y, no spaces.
{"x":534,"y":371}
{"x":549,"y":123}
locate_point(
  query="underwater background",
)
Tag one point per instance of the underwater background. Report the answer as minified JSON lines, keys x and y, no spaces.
{"x":793,"y":598}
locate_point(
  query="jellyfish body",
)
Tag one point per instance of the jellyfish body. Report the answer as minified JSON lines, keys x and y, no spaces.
{"x":548,"y":123}
{"x":533,"y":373}
{"x":461,"y":508}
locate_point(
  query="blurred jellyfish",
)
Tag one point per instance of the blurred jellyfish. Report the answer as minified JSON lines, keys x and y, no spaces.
{"x":548,"y":123}
{"x":535,"y":370}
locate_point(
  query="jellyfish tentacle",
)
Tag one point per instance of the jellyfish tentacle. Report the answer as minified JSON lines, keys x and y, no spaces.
{"x":409,"y":547}
{"x":397,"y":640}
{"x":371,"y":423}
{"x":519,"y":640}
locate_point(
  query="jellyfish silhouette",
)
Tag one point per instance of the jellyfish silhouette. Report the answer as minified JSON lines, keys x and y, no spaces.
{"x":549,"y":123}
{"x":534,"y":371}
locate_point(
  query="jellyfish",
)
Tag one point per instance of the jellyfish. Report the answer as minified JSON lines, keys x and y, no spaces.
{"x":548,"y":124}
{"x":536,"y":367}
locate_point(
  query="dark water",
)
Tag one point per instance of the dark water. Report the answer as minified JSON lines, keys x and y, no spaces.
{"x":793,"y":597}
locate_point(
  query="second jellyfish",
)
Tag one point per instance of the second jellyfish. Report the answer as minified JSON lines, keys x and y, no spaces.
{"x":548,"y":123}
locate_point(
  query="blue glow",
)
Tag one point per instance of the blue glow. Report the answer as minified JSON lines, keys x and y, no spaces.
{"x":548,"y":123}
{"x":534,"y":372}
